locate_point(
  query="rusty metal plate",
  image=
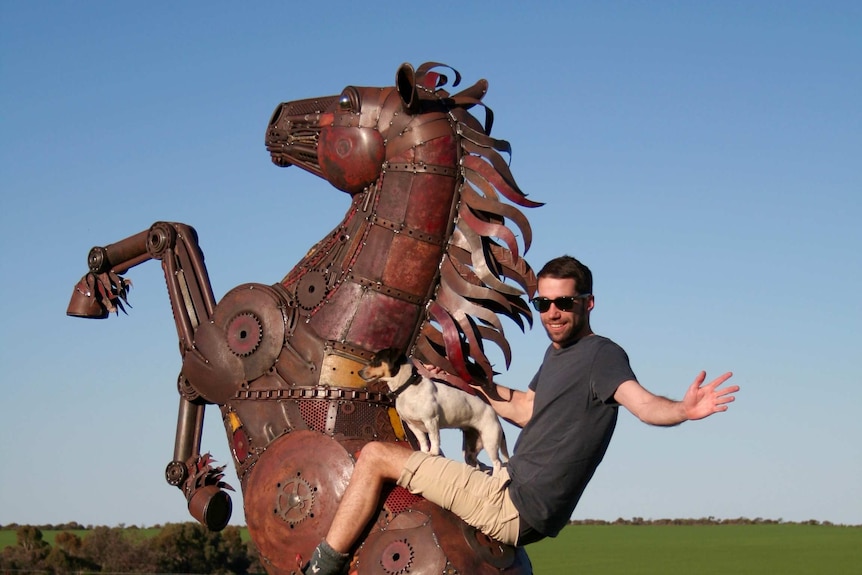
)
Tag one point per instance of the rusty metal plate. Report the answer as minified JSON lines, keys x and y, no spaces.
{"x":291,"y":496}
{"x":489,"y":550}
{"x":407,"y":545}
{"x":429,"y":206}
{"x":252,"y":318}
{"x":341,"y":371}
{"x":471,"y":552}
{"x":382,"y":321}
{"x":407,"y":268}
{"x":239,"y":344}
{"x":333,"y":319}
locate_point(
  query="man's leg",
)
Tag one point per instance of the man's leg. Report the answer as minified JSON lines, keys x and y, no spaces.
{"x":378,"y":462}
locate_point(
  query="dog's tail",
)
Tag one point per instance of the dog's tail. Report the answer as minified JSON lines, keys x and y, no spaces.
{"x":504,"y":449}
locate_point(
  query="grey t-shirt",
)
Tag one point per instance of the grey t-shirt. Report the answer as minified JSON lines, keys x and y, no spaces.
{"x":574,"y":415}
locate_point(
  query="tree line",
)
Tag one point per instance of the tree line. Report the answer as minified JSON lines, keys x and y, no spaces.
{"x":176,"y":548}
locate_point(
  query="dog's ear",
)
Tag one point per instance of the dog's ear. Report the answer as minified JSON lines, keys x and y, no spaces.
{"x":379,"y":357}
{"x":401,"y":358}
{"x":391,"y":355}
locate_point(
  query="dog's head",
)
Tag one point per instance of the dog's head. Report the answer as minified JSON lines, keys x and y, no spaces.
{"x":384,"y":365}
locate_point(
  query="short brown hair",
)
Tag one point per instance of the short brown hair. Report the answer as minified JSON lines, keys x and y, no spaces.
{"x":567,"y":267}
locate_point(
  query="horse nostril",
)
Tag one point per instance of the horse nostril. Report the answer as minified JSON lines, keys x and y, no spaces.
{"x":276,"y":115}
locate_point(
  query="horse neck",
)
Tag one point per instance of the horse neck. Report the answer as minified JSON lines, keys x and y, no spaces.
{"x":366,"y":284}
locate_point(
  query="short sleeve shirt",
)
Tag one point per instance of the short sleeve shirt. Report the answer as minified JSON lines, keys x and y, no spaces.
{"x":574,"y":415}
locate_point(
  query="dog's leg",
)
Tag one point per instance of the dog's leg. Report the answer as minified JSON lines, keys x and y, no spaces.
{"x":433,"y":426}
{"x":493,"y":440}
{"x":421,"y":436}
{"x":470,"y":446}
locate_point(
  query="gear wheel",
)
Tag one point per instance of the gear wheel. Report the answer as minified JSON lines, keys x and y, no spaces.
{"x":244,"y":334}
{"x":311,"y":289}
{"x":294,"y":500}
{"x":397,"y":557}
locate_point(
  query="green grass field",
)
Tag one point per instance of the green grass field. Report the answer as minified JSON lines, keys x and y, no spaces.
{"x":788,"y":549}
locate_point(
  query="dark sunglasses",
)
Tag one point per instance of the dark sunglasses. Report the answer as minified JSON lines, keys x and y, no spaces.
{"x":565,"y":303}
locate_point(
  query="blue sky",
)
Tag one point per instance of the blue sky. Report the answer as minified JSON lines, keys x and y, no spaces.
{"x":702,"y":158}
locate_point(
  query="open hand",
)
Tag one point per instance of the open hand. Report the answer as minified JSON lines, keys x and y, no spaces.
{"x":703,"y":400}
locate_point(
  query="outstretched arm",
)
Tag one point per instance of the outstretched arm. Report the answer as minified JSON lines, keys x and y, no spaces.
{"x":699,"y":401}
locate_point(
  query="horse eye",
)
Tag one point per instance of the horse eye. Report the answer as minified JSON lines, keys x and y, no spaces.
{"x":349,"y":100}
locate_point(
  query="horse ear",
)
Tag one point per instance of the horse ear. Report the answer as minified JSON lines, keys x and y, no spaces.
{"x":405,"y":83}
{"x":476,"y":92}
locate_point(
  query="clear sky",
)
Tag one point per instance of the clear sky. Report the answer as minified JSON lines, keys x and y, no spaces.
{"x":703,"y":158}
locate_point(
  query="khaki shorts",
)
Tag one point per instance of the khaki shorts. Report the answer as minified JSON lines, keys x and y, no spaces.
{"x":479,"y":499}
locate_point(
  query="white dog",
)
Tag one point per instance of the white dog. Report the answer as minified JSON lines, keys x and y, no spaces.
{"x":427,"y":406}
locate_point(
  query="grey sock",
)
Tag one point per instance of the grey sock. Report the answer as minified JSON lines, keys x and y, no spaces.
{"x":326,"y":561}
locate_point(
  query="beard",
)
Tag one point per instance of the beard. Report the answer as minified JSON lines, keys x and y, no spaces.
{"x":577,"y":328}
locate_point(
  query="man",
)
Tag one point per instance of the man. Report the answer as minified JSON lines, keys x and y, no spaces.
{"x":567,"y":416}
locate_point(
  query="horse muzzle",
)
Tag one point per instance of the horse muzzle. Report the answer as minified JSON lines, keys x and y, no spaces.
{"x":293,"y":133}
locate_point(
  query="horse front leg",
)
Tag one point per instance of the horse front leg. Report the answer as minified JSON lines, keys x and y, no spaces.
{"x":103,"y":290}
{"x":193,"y":303}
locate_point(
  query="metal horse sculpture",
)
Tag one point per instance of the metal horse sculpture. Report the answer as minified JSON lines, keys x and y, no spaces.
{"x":420,"y":262}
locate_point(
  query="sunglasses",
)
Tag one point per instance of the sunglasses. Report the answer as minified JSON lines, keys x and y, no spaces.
{"x":565,"y":303}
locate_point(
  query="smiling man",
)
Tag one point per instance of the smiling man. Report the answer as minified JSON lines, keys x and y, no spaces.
{"x":567,"y":414}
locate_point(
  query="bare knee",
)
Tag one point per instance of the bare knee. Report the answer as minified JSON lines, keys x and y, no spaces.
{"x":385,"y":460}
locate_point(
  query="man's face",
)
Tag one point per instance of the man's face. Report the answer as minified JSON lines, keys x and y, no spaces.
{"x":564,"y":327}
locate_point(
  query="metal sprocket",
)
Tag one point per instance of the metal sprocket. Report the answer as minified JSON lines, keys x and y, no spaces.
{"x":244,"y":334}
{"x":295,"y":500}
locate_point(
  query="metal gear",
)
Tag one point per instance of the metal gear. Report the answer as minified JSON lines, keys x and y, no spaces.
{"x":397,"y":557}
{"x":294,"y":500}
{"x":311,"y":289}
{"x":244,"y":334}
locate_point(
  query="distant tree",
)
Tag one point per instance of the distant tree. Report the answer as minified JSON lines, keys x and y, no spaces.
{"x":113,"y":551}
{"x":177,"y":548}
{"x":68,"y":542}
{"x":30,"y":537}
{"x":255,"y":565}
{"x":234,"y":552}
{"x":67,"y":555}
{"x":60,"y":562}
{"x":28,"y":554}
{"x":191,"y":548}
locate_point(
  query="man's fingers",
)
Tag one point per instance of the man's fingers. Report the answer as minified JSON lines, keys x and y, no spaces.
{"x":698,"y":381}
{"x":728,"y":390}
{"x":719,"y":380}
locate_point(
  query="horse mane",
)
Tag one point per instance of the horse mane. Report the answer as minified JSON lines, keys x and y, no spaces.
{"x":483,"y":250}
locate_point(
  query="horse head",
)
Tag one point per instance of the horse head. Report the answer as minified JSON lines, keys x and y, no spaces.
{"x":346,"y":139}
